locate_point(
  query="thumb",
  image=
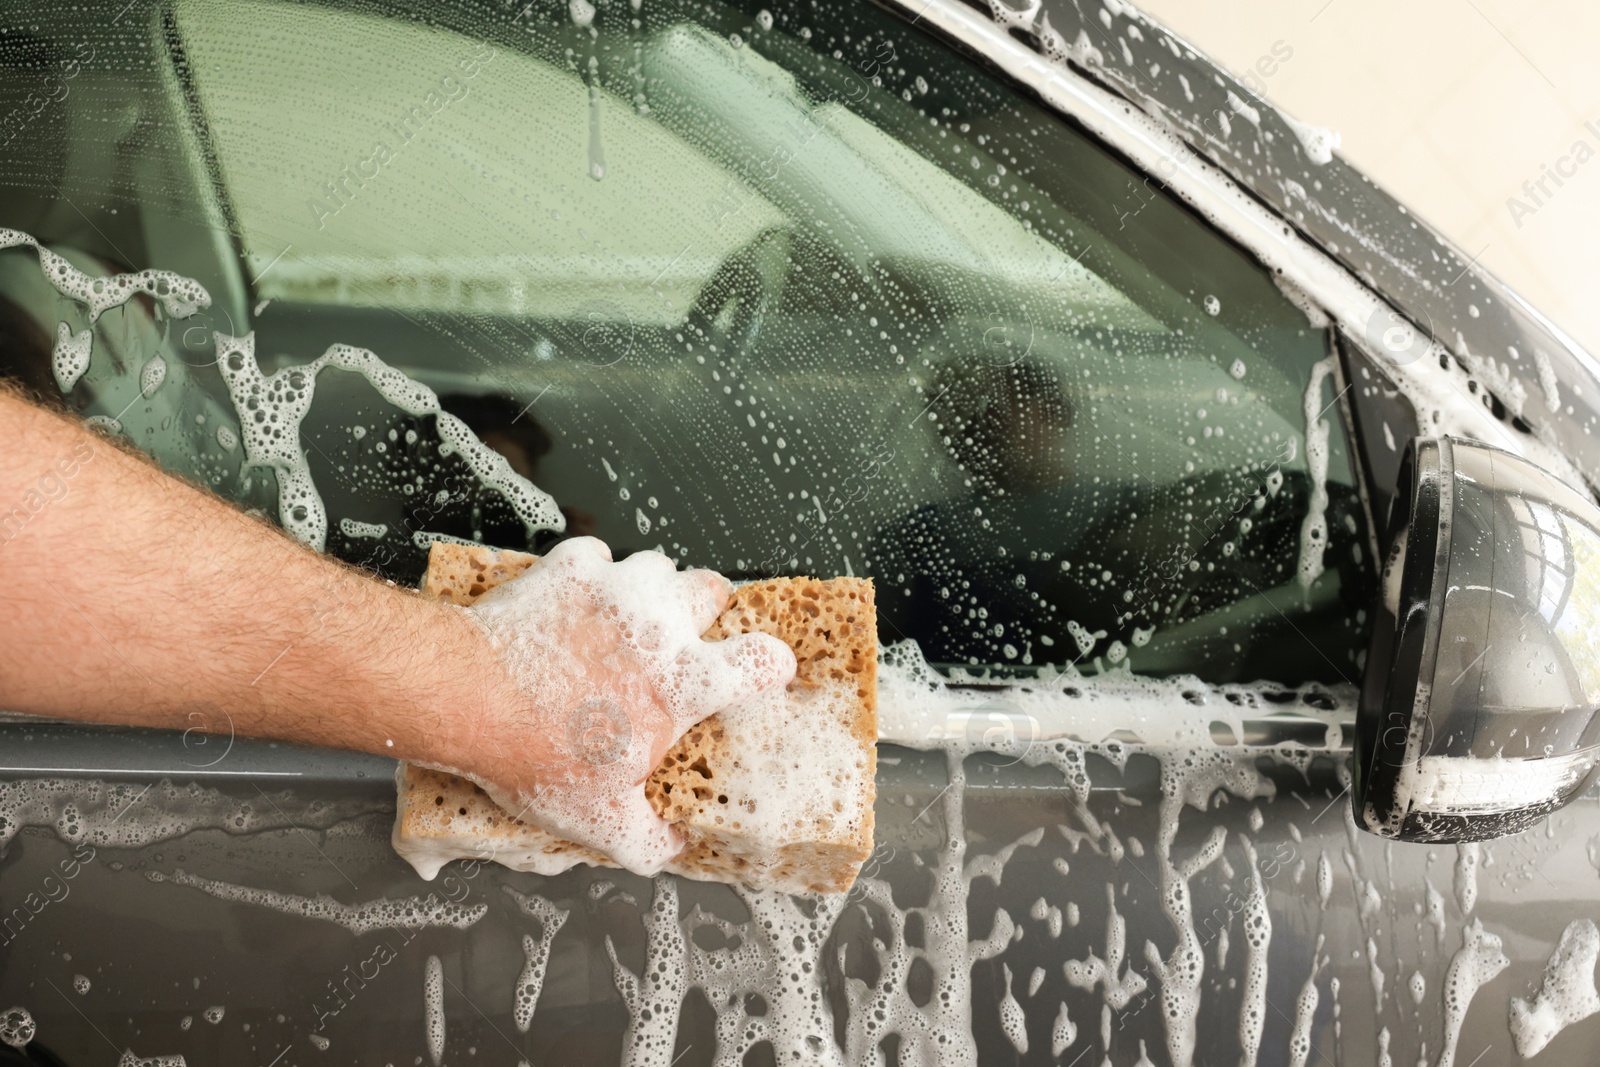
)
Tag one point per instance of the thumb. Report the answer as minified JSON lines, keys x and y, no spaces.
{"x":709,"y":676}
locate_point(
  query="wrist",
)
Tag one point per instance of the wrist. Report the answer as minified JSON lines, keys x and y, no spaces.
{"x":462,"y":705}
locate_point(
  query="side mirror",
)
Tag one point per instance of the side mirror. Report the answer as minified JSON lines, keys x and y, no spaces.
{"x":1480,"y":710}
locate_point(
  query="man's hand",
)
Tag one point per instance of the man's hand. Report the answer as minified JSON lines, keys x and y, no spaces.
{"x":133,"y":597}
{"x":609,"y":671}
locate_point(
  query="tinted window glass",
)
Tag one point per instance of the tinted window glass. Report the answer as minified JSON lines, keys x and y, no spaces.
{"x":772,"y":292}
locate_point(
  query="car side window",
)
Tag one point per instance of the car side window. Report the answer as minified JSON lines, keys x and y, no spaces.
{"x":774,"y":294}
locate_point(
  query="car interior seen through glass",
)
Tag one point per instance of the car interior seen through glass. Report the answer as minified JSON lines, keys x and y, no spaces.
{"x":773,"y":294}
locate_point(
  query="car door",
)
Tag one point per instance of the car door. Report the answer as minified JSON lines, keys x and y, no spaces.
{"x":779,"y":290}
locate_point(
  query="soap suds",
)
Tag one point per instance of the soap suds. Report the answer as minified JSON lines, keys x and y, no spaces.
{"x":1258,"y":938}
{"x":1469,"y":854}
{"x":70,"y":357}
{"x":1566,"y":993}
{"x":1035,"y":980}
{"x":433,"y":1008}
{"x":152,"y":376}
{"x":179,"y":296}
{"x":1318,"y":142}
{"x":536,"y":953}
{"x":1119,"y":984}
{"x":272,"y":407}
{"x":1435,"y":908}
{"x":1013,"y":1023}
{"x":1477,"y":963}
{"x":1314,"y":528}
{"x":17,"y":1027}
{"x":352,"y":528}
{"x":131,"y":815}
{"x":405,"y":913}
{"x":941,"y":1028}
{"x":1063,"y":1032}
{"x":1305,"y":1013}
{"x":654,"y":997}
{"x":1190,"y":782}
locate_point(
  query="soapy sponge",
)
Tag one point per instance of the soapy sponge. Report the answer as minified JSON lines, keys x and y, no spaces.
{"x":776,"y":793}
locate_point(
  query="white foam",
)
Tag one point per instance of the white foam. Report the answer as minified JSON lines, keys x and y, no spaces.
{"x":1469,"y":854}
{"x":1305,"y":1013}
{"x":536,"y":953}
{"x":130,"y":815}
{"x":128,"y":1059}
{"x":1119,"y":985}
{"x":1257,"y":924}
{"x":1035,"y":980}
{"x":433,"y":1008}
{"x":1314,"y":527}
{"x":777,"y":952}
{"x":654,"y":996}
{"x":1063,"y":1032}
{"x":941,"y":1028}
{"x":1566,"y":992}
{"x":70,"y":357}
{"x":353,"y":528}
{"x":1375,"y":969}
{"x":1477,"y":962}
{"x":272,"y":407}
{"x":152,"y":375}
{"x":405,"y":913}
{"x":17,"y":1027}
{"x":920,"y":708}
{"x":1013,"y":1023}
{"x":1317,"y":141}
{"x":80,"y":984}
{"x":1190,"y":781}
{"x":1435,"y":905}
{"x":179,"y":296}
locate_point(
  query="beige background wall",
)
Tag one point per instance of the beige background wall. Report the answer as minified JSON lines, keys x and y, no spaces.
{"x":1452,"y":105}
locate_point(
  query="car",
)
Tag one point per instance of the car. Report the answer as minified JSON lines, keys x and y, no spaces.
{"x":1229,"y":529}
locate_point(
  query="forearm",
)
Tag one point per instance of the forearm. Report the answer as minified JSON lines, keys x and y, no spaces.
{"x":133,"y":597}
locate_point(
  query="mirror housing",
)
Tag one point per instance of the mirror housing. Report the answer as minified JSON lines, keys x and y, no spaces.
{"x":1480,"y":708}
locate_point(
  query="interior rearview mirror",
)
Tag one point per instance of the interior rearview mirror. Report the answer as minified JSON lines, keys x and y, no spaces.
{"x":1478,"y":713}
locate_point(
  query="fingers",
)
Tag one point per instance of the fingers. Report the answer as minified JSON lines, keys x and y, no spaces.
{"x":669,"y":595}
{"x":578,"y":549}
{"x":646,"y":843}
{"x":709,"y":676}
{"x":708,"y":595}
